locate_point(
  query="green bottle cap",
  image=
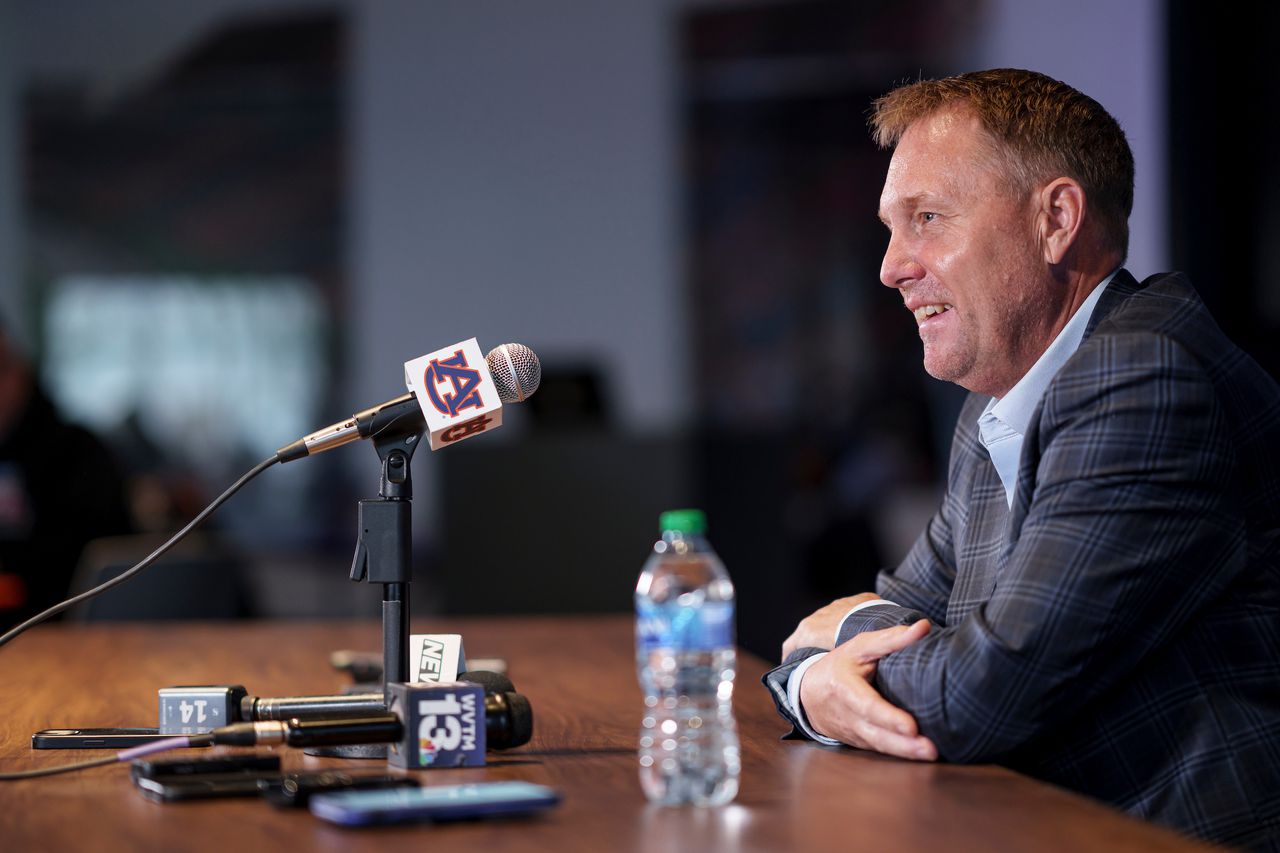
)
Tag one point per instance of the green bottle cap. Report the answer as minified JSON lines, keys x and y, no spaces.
{"x":691,"y":522}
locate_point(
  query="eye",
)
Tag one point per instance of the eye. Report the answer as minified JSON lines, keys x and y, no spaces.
{"x":927,"y":216}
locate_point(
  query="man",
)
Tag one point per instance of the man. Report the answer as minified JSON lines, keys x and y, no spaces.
{"x":1097,"y":601}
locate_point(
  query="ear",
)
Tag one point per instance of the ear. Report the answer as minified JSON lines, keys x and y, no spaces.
{"x":1061,"y":216}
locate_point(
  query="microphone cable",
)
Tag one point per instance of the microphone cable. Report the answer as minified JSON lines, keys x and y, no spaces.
{"x":145,"y":562}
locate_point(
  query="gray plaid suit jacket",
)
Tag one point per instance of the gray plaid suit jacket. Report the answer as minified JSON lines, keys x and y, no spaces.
{"x":1117,"y":632}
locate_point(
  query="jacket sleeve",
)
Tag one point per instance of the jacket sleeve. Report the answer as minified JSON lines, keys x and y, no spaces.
{"x":776,"y":680}
{"x":1129,"y":529}
{"x":921,"y":586}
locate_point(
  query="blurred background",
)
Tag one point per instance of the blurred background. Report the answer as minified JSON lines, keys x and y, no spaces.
{"x":226,"y":223}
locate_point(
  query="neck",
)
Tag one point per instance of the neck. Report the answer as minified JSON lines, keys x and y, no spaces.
{"x":1069,"y":290}
{"x":1077,"y":281}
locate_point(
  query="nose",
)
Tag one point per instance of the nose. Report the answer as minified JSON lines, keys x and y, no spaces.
{"x":899,"y":267}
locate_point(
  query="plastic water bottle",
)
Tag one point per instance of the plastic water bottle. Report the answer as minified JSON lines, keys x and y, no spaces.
{"x":686,"y":661}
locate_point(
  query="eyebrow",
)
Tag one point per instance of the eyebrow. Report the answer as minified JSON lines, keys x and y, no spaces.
{"x":911,"y":202}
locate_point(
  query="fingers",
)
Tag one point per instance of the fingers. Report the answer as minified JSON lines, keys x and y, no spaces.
{"x":819,"y":628}
{"x":807,"y":633}
{"x":840,"y":701}
{"x":873,"y":645}
{"x":870,"y":646}
{"x":856,"y":714}
{"x":873,"y":737}
{"x":791,"y":644}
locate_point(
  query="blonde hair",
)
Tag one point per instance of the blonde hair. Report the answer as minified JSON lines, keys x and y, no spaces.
{"x":1041,"y":129}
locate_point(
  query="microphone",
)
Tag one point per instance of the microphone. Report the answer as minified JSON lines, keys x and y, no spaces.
{"x":191,"y":710}
{"x":342,"y":706}
{"x":513,"y":371}
{"x":383,"y":728}
{"x":347,"y":705}
{"x":492,"y":682}
{"x":429,"y":725}
{"x":516,"y":371}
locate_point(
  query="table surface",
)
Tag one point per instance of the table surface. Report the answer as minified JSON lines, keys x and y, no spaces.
{"x":578,"y":673}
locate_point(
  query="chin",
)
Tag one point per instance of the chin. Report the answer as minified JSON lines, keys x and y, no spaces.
{"x":938,"y":367}
{"x":943,"y":371}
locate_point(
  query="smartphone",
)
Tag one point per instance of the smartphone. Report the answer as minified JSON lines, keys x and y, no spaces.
{"x":435,"y":803}
{"x":295,"y":790}
{"x":95,"y":738}
{"x":169,"y":789}
{"x":184,"y":767}
{"x":287,"y":789}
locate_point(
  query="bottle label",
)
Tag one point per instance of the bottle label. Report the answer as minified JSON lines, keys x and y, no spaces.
{"x":686,"y":629}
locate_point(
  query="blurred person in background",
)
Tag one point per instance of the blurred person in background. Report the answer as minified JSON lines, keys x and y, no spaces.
{"x":59,"y":489}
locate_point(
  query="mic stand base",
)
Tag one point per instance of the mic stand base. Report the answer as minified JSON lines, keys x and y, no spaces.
{"x":350,"y":750}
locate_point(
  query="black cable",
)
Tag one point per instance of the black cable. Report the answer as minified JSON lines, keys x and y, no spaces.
{"x":159,"y":746}
{"x":61,"y":768}
{"x":143,"y":564}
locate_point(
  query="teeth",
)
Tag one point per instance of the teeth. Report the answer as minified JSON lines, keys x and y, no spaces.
{"x":925,"y":311}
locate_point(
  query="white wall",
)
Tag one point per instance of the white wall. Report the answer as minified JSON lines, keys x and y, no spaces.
{"x":513,"y":168}
{"x":114,"y":46}
{"x":1114,"y":52}
{"x":511,"y":173}
{"x":513,"y":179}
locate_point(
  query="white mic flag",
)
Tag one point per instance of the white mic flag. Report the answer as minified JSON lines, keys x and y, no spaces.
{"x":455,"y":391}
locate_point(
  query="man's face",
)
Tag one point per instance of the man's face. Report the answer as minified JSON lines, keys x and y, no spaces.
{"x":963,"y":252}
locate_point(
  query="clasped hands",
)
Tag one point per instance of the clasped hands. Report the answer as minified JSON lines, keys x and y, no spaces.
{"x":838,"y":698}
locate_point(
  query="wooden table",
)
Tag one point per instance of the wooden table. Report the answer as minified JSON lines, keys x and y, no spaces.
{"x":579,"y":676}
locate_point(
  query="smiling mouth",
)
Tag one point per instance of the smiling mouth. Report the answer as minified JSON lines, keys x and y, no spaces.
{"x":924,"y":312}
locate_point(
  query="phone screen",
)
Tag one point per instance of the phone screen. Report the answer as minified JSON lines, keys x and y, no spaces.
{"x":437,"y":802}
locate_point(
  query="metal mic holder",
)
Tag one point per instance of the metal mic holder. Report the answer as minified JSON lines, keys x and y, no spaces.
{"x":383,"y":555}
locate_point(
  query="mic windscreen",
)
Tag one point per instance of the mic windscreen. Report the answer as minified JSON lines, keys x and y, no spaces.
{"x":508,"y":720}
{"x":492,"y":682}
{"x":516,"y":371}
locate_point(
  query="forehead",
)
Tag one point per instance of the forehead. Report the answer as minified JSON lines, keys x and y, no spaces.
{"x":943,"y":155}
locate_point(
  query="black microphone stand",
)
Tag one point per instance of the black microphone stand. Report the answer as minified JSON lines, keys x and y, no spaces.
{"x":384,"y":551}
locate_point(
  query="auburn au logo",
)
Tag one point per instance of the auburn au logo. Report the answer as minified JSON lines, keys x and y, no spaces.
{"x":464,"y":384}
{"x":466,"y":428}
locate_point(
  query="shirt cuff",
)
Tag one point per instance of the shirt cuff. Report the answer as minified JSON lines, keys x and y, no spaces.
{"x":793,"y":699}
{"x":872,"y":603}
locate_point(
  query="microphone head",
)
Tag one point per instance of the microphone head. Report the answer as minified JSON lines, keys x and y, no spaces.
{"x":516,"y":371}
{"x":508,"y":719}
{"x":492,"y":682}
